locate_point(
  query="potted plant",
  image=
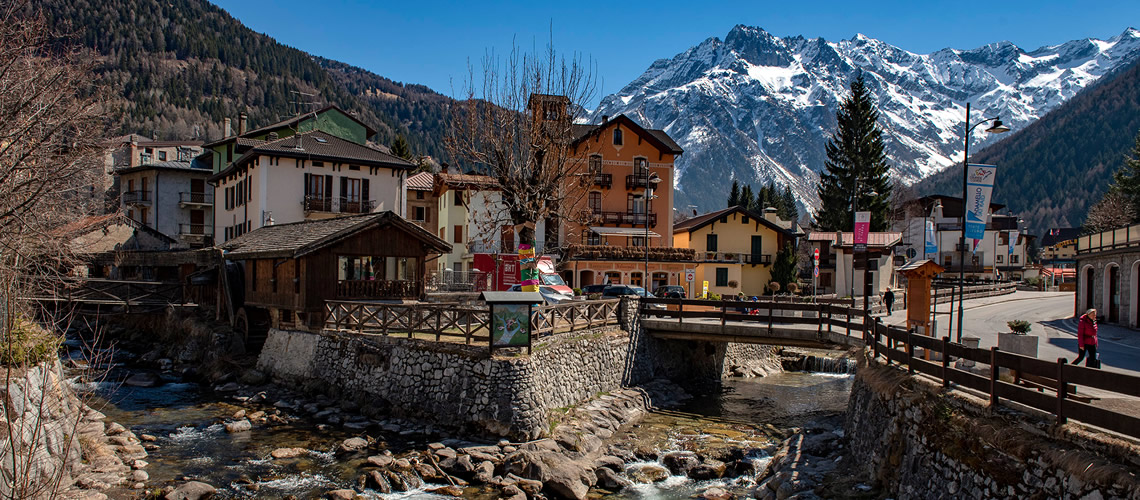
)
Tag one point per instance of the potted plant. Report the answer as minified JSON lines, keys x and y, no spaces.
{"x":732,"y":283}
{"x":1017,"y":339}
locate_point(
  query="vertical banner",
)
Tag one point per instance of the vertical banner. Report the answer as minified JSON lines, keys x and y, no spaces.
{"x":862,"y":230}
{"x":979,"y":186}
{"x":1012,"y":240}
{"x":528,"y":268}
{"x":931,"y":238}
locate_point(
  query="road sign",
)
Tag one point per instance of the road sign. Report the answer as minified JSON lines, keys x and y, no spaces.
{"x":690,"y":275}
{"x":815,"y":273}
{"x":705,"y":290}
{"x":815,"y":256}
{"x":860,"y":247}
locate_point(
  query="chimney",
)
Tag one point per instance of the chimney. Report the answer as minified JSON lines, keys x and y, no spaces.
{"x":445,"y":168}
{"x":226,"y":128}
{"x":272,"y":136}
{"x":770,"y":214}
{"x":242,"y":119}
{"x":605,"y":118}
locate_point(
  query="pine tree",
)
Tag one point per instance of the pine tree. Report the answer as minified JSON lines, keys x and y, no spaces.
{"x":855,"y":159}
{"x":1127,"y":180}
{"x":746,"y":199}
{"x":790,"y":208}
{"x":400,"y":148}
{"x":734,"y":194}
{"x":785,"y":269}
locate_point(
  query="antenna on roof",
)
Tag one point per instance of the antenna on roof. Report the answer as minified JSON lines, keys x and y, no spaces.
{"x":300,"y":101}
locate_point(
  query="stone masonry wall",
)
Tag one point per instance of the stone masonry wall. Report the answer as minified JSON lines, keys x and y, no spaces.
{"x":917,"y":441}
{"x":40,"y":418}
{"x":509,"y":395}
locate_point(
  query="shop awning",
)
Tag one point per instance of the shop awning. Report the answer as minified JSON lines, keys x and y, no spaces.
{"x":622,"y":231}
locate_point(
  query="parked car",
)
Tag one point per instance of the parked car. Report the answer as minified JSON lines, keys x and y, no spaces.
{"x":549,"y":294}
{"x":624,"y":290}
{"x":589,"y":289}
{"x":670,"y":291}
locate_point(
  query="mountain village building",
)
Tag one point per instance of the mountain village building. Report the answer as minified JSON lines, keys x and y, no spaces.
{"x":171,"y":197}
{"x":423,"y":208}
{"x":1108,"y":275}
{"x":996,"y":256}
{"x":735,"y":249}
{"x":873,"y":269}
{"x":308,"y":167}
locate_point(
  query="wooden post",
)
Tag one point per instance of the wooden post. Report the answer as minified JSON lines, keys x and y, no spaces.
{"x":680,"y":310}
{"x":819,"y":318}
{"x":993,"y":377}
{"x":1062,"y":391}
{"x":909,"y":353}
{"x":770,"y":306}
{"x":849,"y":317}
{"x":829,"y":310}
{"x":945,"y":361}
{"x":876,"y":346}
{"x":723,"y":318}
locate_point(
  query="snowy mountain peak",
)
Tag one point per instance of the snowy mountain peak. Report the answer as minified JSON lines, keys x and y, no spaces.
{"x":760,"y":108}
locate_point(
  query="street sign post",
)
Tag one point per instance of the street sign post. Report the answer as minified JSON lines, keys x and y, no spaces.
{"x":705,"y":290}
{"x":815,"y":275}
{"x":690,"y":275}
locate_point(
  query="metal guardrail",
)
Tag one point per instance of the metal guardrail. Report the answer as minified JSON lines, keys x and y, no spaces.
{"x":136,"y":197}
{"x":196,"y":198}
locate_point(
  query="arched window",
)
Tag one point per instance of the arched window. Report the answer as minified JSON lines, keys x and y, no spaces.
{"x":595,"y":164}
{"x":617,"y":136}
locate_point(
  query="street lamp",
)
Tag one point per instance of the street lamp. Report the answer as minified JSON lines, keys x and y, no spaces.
{"x":854,"y":210}
{"x":996,"y":128}
{"x":651,"y":181}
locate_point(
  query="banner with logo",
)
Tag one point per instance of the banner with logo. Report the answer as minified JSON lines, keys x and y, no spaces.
{"x":931,"y":238}
{"x":1012,"y":240}
{"x":862,"y":230}
{"x":979,"y":187}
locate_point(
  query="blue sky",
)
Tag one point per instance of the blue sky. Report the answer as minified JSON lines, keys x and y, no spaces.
{"x":430,"y":43}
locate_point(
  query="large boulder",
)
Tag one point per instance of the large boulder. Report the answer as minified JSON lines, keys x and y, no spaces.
{"x":680,"y":462}
{"x":193,"y":490}
{"x":144,"y":379}
{"x":611,"y":480}
{"x":561,"y":477}
{"x":243,"y":425}
{"x":353,"y":445}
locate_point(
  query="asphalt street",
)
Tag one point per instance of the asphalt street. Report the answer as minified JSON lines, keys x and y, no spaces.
{"x":1051,"y":314}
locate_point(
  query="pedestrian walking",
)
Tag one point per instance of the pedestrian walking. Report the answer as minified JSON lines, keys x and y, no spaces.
{"x":889,"y":300}
{"x":1086,"y":340}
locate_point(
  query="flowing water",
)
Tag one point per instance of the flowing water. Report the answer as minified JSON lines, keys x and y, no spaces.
{"x":742,"y":420}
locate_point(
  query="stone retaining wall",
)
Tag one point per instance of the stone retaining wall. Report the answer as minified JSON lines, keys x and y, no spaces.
{"x":911,"y":438}
{"x":509,"y":395}
{"x":40,"y":415}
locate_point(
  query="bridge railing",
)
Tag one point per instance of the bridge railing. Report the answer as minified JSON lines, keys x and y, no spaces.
{"x":1046,"y":386}
{"x":113,"y":292}
{"x":831,"y":315}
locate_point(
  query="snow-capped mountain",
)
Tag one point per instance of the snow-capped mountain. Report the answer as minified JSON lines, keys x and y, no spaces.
{"x":760,"y":108}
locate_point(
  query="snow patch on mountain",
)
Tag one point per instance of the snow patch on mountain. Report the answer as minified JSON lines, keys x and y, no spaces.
{"x":760,"y":108}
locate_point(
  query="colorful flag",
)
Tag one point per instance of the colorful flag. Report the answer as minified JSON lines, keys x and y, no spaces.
{"x":931,"y":238}
{"x":1012,"y":240}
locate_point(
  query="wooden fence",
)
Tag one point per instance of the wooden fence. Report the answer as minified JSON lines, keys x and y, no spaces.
{"x":1043,"y":385}
{"x":830,"y":315}
{"x":455,"y":322}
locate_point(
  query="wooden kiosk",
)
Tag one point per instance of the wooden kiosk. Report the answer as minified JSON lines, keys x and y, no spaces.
{"x":918,"y":275}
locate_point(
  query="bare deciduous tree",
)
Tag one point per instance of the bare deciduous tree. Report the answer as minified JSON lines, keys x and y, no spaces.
{"x":1113,"y":211}
{"x":51,"y":126}
{"x":515,"y":123}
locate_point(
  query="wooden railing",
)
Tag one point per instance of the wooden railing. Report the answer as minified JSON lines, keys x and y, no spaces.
{"x":114,"y":292}
{"x":571,"y":316}
{"x":471,"y":324}
{"x":380,"y":289}
{"x":829,"y":314}
{"x":1043,"y":385}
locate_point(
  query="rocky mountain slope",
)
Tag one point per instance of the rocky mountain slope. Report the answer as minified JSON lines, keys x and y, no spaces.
{"x":756,"y":107}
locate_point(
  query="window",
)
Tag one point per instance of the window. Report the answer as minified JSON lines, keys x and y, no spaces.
{"x":999,"y":258}
{"x":458,"y":234}
{"x":722,"y":276}
{"x":316,"y":186}
{"x":617,"y":136}
{"x":710,"y":243}
{"x":591,"y":238}
{"x":595,"y":164}
{"x":143,"y":216}
{"x":420,"y":213}
{"x":595,"y":201}
{"x":1014,"y":259}
{"x":641,"y":168}
{"x":634,"y":204}
{"x":458,"y":197}
{"x":354,"y":167}
{"x":350,"y":189}
{"x":162,"y":156}
{"x":724,"y":220}
{"x":419,"y":195}
{"x":637,"y":241}
{"x":318,"y":164}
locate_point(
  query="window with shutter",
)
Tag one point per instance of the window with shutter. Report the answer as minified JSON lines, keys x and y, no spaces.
{"x":710,"y":243}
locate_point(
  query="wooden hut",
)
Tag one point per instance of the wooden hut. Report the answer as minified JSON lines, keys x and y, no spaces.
{"x":291,"y":270}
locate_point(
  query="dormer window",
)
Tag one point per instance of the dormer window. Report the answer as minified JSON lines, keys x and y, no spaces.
{"x":617,"y":137}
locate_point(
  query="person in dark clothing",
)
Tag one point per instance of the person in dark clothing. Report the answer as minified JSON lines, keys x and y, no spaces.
{"x":889,"y":300}
{"x":1086,"y":340}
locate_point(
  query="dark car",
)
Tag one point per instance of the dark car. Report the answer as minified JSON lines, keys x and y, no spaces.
{"x":590,"y":289}
{"x":620,"y":290}
{"x":670,"y":291}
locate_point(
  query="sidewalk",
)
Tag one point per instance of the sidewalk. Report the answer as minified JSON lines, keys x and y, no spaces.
{"x":898,"y":318}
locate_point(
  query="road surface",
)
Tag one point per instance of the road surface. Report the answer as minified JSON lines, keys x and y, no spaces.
{"x":1051,"y":314}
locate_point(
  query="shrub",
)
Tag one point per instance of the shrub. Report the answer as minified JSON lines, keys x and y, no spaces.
{"x":793,"y":287}
{"x":732,"y":283}
{"x":774,"y":286}
{"x":1019,"y":326}
{"x":28,"y":344}
{"x":714,"y":296}
{"x":577,"y":292}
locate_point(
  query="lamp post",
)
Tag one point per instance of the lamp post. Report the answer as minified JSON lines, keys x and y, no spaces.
{"x":854,"y":210}
{"x":651,"y":180}
{"x":996,"y":128}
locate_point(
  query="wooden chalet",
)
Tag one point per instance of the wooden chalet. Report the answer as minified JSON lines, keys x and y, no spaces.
{"x":290,"y":270}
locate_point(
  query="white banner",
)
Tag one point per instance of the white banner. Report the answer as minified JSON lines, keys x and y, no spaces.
{"x":1012,"y":240}
{"x":979,"y":187}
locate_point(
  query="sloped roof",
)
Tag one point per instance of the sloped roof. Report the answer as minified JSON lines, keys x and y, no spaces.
{"x":661,"y":139}
{"x":695,"y":223}
{"x":291,"y":121}
{"x":1057,"y":235}
{"x":320,"y":146}
{"x":422,"y":181}
{"x":881,"y":239}
{"x":194,"y":165}
{"x":84,"y":244}
{"x":302,"y":238}
{"x":467,"y":181}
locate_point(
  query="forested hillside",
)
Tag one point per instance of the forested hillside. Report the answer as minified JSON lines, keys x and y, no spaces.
{"x":1052,"y":171}
{"x":181,"y":66}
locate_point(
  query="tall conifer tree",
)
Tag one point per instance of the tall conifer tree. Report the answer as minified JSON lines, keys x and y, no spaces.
{"x":855,"y":155}
{"x":734,"y":194}
{"x":1127,"y":179}
{"x":790,"y":209}
{"x":746,"y":199}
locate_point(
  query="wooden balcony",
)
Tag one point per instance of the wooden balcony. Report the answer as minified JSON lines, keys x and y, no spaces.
{"x":618,"y":218}
{"x":377,"y":289}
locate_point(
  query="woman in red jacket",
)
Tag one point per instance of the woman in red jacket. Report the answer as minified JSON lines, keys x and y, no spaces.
{"x":1086,"y":340}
